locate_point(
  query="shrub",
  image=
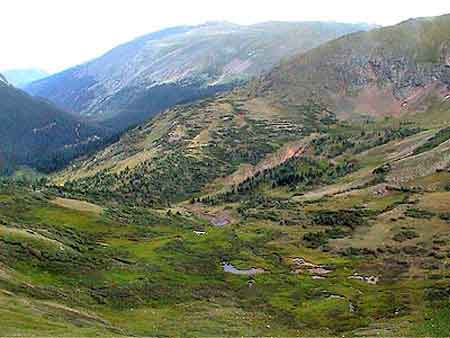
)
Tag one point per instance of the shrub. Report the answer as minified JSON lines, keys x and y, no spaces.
{"x":405,"y":235}
{"x":349,"y":218}
{"x":419,"y":213}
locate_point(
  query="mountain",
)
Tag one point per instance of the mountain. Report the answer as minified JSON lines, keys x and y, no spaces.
{"x":384,"y":72}
{"x":274,"y":210}
{"x":397,"y":71}
{"x":22,"y":77}
{"x":34,"y":132}
{"x":134,"y":81}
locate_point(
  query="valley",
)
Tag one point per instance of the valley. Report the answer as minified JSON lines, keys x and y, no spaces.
{"x":374,"y":255}
{"x":310,"y":200}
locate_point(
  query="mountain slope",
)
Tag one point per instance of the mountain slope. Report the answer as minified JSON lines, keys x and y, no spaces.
{"x":22,"y":77}
{"x":193,"y":149}
{"x":272,"y":218}
{"x":389,"y":71}
{"x":138,"y":79}
{"x":35,"y":132}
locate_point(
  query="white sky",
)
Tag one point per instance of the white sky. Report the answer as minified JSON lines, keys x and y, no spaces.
{"x":55,"y":34}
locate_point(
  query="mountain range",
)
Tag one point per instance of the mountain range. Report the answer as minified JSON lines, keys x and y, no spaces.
{"x":138,"y":79}
{"x":397,"y":71}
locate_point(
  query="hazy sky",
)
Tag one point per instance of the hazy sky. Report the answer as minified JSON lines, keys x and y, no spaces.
{"x":55,"y":34}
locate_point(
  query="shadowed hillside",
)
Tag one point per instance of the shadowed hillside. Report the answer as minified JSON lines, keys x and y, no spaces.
{"x":36,"y":133}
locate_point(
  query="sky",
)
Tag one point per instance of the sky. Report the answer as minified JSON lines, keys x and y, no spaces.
{"x":57,"y":34}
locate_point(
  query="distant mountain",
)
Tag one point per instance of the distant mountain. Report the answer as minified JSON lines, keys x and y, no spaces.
{"x":22,"y":77}
{"x":136,"y":80}
{"x":318,"y":99}
{"x":34,"y":132}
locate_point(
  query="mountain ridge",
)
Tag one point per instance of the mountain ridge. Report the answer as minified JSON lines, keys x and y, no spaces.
{"x":408,"y":56}
{"x":155,"y":71}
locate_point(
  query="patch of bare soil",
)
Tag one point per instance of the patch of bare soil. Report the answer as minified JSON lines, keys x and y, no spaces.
{"x":77,"y":205}
{"x":215,"y":216}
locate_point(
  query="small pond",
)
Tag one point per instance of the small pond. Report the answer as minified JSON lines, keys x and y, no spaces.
{"x":227,"y":267}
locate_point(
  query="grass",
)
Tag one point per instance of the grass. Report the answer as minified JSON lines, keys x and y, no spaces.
{"x":172,"y":280}
{"x":68,"y":218}
{"x":77,"y":205}
{"x":26,"y":317}
{"x":435,"y":323}
{"x":440,"y":137}
{"x":146,"y":272}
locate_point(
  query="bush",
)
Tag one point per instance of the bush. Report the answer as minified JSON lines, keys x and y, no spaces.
{"x":419,"y":213}
{"x":317,"y":239}
{"x":349,"y":218}
{"x":405,"y":235}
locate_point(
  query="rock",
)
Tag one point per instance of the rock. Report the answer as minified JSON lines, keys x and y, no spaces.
{"x":351,"y":307}
{"x":304,"y":266}
{"x":318,"y":277}
{"x":319,"y":271}
{"x":373,"y":280}
{"x":300,"y":262}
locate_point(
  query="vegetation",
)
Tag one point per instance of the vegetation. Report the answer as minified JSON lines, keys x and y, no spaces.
{"x":440,"y":137}
{"x":34,"y":132}
{"x":418,"y":213}
{"x":266,"y":211}
{"x":297,"y":174}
